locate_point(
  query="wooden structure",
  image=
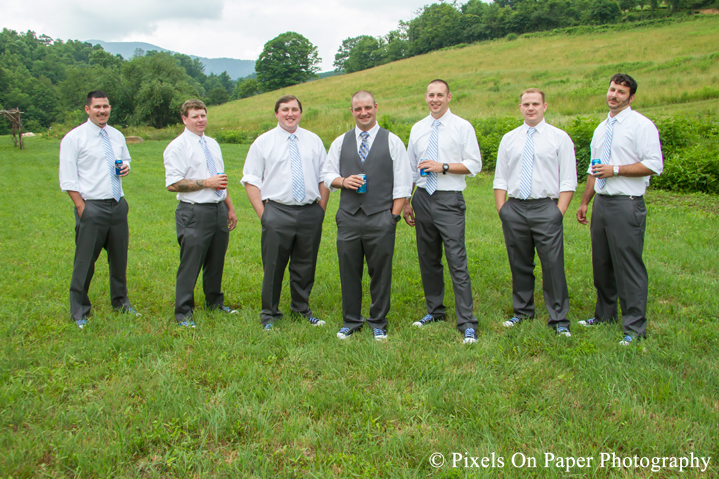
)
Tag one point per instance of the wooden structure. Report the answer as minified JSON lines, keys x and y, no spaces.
{"x":13,"y":117}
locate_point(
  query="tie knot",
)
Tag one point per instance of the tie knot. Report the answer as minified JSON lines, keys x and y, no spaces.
{"x":293,"y":137}
{"x":436,"y":123}
{"x":612,"y":121}
{"x":364,"y":135}
{"x":103,"y":132}
{"x":202,"y":141}
{"x":531,"y":131}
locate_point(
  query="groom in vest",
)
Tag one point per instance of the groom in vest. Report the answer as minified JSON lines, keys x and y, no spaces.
{"x":366,"y":221}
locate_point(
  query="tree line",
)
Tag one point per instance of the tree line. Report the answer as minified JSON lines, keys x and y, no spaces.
{"x":442,"y":25}
{"x":48,"y":80}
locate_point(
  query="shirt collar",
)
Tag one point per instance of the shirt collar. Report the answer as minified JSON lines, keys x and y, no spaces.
{"x":622,"y":115}
{"x":539,"y":126}
{"x":193,"y":136}
{"x":95,"y":129}
{"x":372,"y":131}
{"x":285,"y":135}
{"x":444,"y":118}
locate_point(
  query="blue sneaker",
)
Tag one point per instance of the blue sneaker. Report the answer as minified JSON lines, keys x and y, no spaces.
{"x":562,"y":331}
{"x":470,"y":336}
{"x":345,"y":333}
{"x":379,"y":334}
{"x":188,"y":323}
{"x":627,"y":341}
{"x":225,"y":309}
{"x":314,"y":321}
{"x":268,"y":327}
{"x":427,"y":320}
{"x":511,"y":322}
{"x":131,"y":311}
{"x":589,"y":322}
{"x":81,"y":322}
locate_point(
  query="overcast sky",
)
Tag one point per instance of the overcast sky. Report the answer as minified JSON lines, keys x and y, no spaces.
{"x":213,"y":28}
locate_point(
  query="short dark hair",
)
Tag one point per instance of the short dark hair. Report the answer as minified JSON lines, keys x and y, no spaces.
{"x":531,"y":90}
{"x":362,"y":93}
{"x":94,"y":94}
{"x":192,"y":104}
{"x":287,"y":99}
{"x":625,"y":80}
{"x":439,"y":80}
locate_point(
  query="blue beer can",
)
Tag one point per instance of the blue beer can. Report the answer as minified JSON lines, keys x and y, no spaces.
{"x":363,"y":189}
{"x":118,"y":166}
{"x":422,"y":171}
{"x":596,"y":161}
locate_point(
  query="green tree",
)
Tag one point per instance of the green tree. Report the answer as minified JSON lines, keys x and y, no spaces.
{"x":343,"y":52}
{"x":604,"y":11}
{"x":218,"y":96}
{"x":287,"y":59}
{"x":438,"y":26}
{"x":246,"y":89}
{"x":364,"y":55}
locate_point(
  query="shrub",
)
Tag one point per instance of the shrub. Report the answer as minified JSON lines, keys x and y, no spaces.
{"x":693,"y":169}
{"x":489,"y":133}
{"x":581,"y":131}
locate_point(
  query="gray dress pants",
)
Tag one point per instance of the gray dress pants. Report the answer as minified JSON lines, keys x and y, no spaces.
{"x":528,"y":225}
{"x":203,"y":235}
{"x":618,"y":226}
{"x":439,"y":220}
{"x":372,"y":237}
{"x":289,"y":233}
{"x":103,"y":225}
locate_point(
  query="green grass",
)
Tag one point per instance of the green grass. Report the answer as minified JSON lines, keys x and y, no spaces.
{"x":676,"y":66}
{"x":141,"y":398}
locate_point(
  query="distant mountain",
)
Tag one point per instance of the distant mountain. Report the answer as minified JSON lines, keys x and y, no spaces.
{"x":235,"y":68}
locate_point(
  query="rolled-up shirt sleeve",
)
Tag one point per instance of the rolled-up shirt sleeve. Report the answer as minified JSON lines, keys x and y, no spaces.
{"x":650,"y":148}
{"x":567,"y":164}
{"x":403,"y":178}
{"x":500,"y":170}
{"x":69,"y":179}
{"x":331,"y":168}
{"x":471,"y":157}
{"x":175,"y":164}
{"x":254,"y":169}
{"x":412,"y":156}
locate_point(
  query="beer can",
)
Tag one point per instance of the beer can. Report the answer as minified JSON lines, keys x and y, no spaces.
{"x":422,"y":171}
{"x":118,"y":166}
{"x":219,"y":173}
{"x":363,"y":189}
{"x":596,"y":161}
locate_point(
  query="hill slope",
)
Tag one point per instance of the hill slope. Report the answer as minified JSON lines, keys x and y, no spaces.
{"x":676,"y":66}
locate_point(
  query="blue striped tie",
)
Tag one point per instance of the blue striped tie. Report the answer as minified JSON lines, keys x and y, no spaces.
{"x":433,"y":154}
{"x":210,"y":162}
{"x":364,"y":146}
{"x":607,"y":149}
{"x":110,"y":160}
{"x":298,"y":179}
{"x":525,"y":181}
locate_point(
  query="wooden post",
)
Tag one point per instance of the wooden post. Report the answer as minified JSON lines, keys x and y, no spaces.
{"x":13,"y":117}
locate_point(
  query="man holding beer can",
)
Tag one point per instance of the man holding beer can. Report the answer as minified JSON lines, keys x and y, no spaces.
{"x":369,"y":164}
{"x":93,"y":158}
{"x":445,"y":147}
{"x":204,"y":216}
{"x":537,"y":169}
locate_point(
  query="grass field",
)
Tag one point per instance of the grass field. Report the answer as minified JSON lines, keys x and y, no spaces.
{"x":141,"y":398}
{"x":676,"y":66}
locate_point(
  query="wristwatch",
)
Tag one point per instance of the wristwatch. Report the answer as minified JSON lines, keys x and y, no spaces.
{"x":616,"y":171}
{"x":445,"y":168}
{"x":396,"y":218}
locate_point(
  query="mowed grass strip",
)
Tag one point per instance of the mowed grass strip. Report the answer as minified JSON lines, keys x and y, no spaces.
{"x":138,"y":397}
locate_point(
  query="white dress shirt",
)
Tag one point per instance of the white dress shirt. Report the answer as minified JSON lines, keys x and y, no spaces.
{"x":554,"y":168}
{"x":402,"y":172}
{"x":185,"y":160}
{"x":635,"y":139}
{"x":457,"y":144}
{"x":268,"y":165}
{"x":83,"y":166}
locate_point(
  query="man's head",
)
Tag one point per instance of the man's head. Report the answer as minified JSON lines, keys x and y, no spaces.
{"x":364,"y":110}
{"x":288,"y":111}
{"x":194,"y":116}
{"x":532,"y":106}
{"x":438,"y":97}
{"x":97,"y":107}
{"x":621,"y":92}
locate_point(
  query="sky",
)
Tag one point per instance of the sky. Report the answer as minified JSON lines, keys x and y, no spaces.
{"x":212,"y":28}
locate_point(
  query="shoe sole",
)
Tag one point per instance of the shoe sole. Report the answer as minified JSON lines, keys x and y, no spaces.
{"x":318,"y":323}
{"x":380,"y":338}
{"x":469,"y":341}
{"x":509,"y":324}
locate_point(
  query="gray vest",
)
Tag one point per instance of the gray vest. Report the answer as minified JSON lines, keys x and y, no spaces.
{"x":379,"y":169}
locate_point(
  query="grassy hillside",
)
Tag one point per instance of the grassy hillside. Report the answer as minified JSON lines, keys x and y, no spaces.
{"x":676,"y":66}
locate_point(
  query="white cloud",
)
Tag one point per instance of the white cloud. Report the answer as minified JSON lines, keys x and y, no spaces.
{"x":213,"y":28}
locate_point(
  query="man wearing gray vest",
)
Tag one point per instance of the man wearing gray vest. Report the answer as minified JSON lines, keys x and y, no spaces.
{"x":445,"y":147}
{"x":628,"y":145}
{"x":367,"y":221}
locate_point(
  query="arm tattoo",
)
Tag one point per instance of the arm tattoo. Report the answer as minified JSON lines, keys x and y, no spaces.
{"x":185,"y":186}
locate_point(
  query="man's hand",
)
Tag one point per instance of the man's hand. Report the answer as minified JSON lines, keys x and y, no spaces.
{"x":353,"y":182}
{"x":218,"y":181}
{"x":603,"y":171}
{"x":408,"y":213}
{"x":125,"y":169}
{"x":80,"y":208}
{"x":231,"y":219}
{"x":582,"y":214}
{"x":430,"y":165}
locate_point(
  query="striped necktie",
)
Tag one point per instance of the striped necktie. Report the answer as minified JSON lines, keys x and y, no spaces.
{"x":433,"y":154}
{"x":607,"y":149}
{"x":364,"y":146}
{"x":525,"y":181}
{"x":210,"y":162}
{"x":110,"y":160}
{"x":298,"y":179}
